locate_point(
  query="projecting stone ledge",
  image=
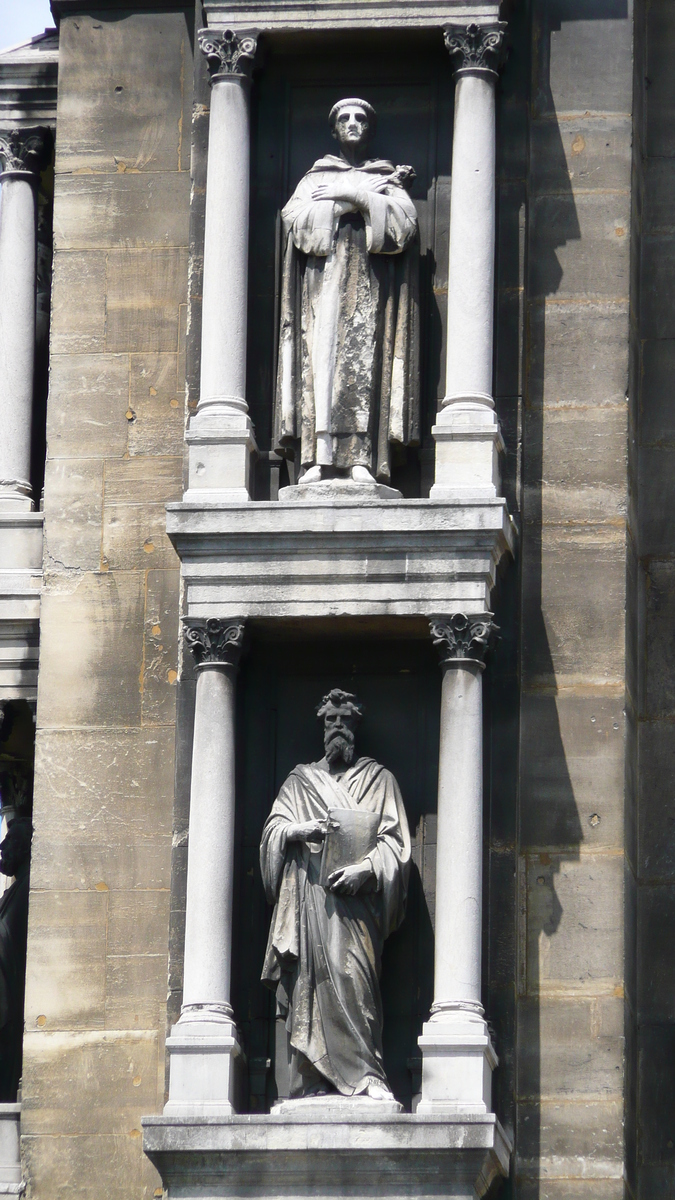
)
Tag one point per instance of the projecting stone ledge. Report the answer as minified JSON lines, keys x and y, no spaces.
{"x":340,"y":557}
{"x":261,"y":1157}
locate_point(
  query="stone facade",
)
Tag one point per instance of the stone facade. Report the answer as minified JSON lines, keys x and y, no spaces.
{"x":577,"y":567}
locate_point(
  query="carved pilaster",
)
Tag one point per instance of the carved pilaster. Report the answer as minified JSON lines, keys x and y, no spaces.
{"x":227,"y":52}
{"x":476,"y":47}
{"x":458,"y":638}
{"x":25,"y":149}
{"x":213,"y":641}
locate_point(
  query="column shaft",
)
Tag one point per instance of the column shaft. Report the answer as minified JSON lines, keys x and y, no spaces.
{"x":208,"y":917}
{"x":17,"y":335}
{"x":459,"y":852}
{"x":220,"y":434}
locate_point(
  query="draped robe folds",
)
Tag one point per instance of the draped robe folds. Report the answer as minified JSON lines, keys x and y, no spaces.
{"x":348,"y":366}
{"x":324,"y":949}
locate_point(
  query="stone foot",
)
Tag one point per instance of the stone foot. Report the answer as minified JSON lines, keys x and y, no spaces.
{"x":313,"y":475}
{"x":362,"y":475}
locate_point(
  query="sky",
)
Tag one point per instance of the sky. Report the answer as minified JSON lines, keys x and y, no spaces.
{"x":22,"y":19}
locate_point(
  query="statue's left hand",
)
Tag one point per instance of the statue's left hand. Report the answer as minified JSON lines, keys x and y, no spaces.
{"x":351,"y":879}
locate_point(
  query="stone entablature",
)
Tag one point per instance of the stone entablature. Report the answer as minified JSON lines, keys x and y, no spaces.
{"x":266,"y":15}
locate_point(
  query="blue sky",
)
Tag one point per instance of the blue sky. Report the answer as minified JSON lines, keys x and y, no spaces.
{"x":22,"y":19}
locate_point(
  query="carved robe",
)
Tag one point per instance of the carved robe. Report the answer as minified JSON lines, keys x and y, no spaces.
{"x":324,"y":950}
{"x":348,"y":373}
{"x":13,"y":937}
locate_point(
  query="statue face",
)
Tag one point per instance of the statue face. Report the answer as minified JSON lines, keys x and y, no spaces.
{"x":339,"y":732}
{"x":351,"y":126}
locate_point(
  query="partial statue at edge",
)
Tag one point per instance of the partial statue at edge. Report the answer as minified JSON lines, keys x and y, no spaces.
{"x":348,"y":369}
{"x":335,"y":859}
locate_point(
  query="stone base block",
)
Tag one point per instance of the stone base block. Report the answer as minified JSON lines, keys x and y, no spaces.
{"x":219,"y":459}
{"x":333,"y":1107}
{"x":10,"y":1151}
{"x":329,"y":490}
{"x":275,"y":1156}
{"x":468,"y":448}
{"x":457,"y":1064}
{"x":205,"y":1070}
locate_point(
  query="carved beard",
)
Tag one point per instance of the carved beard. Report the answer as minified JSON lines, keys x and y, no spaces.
{"x":339,"y":745}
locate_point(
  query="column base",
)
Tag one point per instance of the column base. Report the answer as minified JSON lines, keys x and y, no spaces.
{"x":468,"y":446}
{"x":206,"y":1070}
{"x":220,"y":449}
{"x":458,"y":1059}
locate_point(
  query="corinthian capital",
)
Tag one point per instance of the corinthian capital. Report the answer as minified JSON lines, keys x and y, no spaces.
{"x":227,"y":52}
{"x":476,"y":47}
{"x":215,"y":641}
{"x":461,"y":637}
{"x":25,"y":149}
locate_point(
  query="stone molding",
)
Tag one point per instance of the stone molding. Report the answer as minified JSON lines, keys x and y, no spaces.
{"x":25,"y":150}
{"x":214,"y":642}
{"x":459,"y":638}
{"x":227,"y":52}
{"x":475,"y":47}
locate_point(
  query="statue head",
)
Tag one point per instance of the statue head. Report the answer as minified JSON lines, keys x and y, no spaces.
{"x":15,"y":846}
{"x":341,"y":713}
{"x":352,"y":123}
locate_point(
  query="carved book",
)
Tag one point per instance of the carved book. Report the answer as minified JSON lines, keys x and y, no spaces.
{"x":348,"y":845}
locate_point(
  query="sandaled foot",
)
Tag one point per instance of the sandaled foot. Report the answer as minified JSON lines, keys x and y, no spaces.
{"x":313,"y":475}
{"x":377,"y":1090}
{"x":362,"y":475}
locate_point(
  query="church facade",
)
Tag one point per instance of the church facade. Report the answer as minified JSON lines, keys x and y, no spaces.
{"x":337,"y":364}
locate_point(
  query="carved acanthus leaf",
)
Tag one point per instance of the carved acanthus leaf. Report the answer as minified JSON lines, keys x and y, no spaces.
{"x":25,"y":149}
{"x":215,"y":641}
{"x":227,"y":52}
{"x":462,"y":637}
{"x":480,"y":47}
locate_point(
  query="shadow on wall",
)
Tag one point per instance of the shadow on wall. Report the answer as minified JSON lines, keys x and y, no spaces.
{"x":550,"y":830}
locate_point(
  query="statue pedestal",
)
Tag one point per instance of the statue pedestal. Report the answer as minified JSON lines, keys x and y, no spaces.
{"x":10,"y":1153}
{"x":328,"y":1156}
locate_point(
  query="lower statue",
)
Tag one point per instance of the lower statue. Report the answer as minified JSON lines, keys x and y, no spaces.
{"x":335,"y":858}
{"x":14,"y":860}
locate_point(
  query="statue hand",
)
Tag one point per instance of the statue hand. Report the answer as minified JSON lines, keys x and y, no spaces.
{"x":351,"y":879}
{"x":339,"y":192}
{"x":310,"y":831}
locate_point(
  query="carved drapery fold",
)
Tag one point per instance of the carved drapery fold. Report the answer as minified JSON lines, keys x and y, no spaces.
{"x":215,"y":641}
{"x":25,"y":149}
{"x":458,"y":637}
{"x":476,"y":47}
{"x":227,"y":52}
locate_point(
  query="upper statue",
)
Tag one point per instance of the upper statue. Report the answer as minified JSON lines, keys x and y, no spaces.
{"x":335,"y":857}
{"x":348,"y":375}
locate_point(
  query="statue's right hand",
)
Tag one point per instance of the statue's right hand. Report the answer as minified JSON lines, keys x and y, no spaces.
{"x":310,"y":831}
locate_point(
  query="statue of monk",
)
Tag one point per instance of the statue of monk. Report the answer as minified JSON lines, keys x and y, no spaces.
{"x":14,"y":860}
{"x":325,"y":943}
{"x":348,"y":368}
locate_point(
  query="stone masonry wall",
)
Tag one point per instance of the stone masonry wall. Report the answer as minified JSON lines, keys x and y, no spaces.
{"x":97,"y":960}
{"x":570,"y":1068}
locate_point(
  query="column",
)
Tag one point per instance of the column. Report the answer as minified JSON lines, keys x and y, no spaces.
{"x":220,"y":434}
{"x":204,"y":1048}
{"x":23,"y":154}
{"x":457,"y":1054}
{"x":468,"y":441}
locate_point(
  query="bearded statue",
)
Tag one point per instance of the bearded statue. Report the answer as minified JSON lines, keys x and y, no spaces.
{"x":335,"y":858}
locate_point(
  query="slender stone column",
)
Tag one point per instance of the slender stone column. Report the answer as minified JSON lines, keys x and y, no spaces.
{"x":23,"y":154}
{"x":457,"y":1054}
{"x":204,"y":1045}
{"x":220,"y":435}
{"x":467,"y":433}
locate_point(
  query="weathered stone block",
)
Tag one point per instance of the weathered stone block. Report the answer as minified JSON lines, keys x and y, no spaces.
{"x":147,"y":209}
{"x":656,"y":968}
{"x":575,"y":468}
{"x":68,"y":1081}
{"x":121,"y":92}
{"x":157,"y":402}
{"x":138,"y":922}
{"x":160,"y":652}
{"x":570,"y":1046}
{"x":136,"y":490}
{"x":577,"y":905}
{"x":90,"y":655}
{"x":558,"y":1140}
{"x":658,"y":286}
{"x":66,"y":1166}
{"x":78,"y":302}
{"x":74,"y":504}
{"x":657,"y":585}
{"x":656,"y":483}
{"x":578,"y":353}
{"x":144,"y":290}
{"x":572,"y":763}
{"x":65,"y":973}
{"x":655,"y":805}
{"x":660,"y":94}
{"x":588,"y":153}
{"x":89,"y":397}
{"x":656,"y":1088}
{"x":579,"y":246}
{"x":583,"y":58}
{"x":135,"y":991}
{"x":657,"y":396}
{"x":573,"y":614}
